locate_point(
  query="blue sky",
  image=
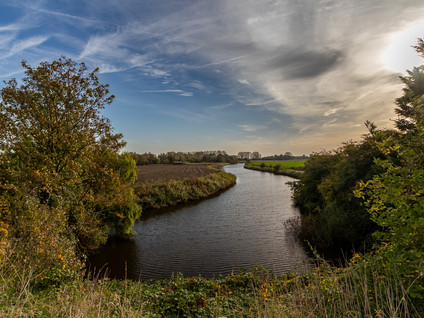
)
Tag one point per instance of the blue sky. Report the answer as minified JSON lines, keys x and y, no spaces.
{"x":237,"y":75}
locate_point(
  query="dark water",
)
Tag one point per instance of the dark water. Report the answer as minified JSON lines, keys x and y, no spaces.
{"x":240,"y":228}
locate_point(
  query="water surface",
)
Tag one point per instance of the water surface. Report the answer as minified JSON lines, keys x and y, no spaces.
{"x":240,"y":228}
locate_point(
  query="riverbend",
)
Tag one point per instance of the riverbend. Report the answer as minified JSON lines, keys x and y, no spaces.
{"x":241,"y":228}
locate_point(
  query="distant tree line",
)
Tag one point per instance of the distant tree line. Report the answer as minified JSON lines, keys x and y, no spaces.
{"x":247,"y":155}
{"x":219,"y":156}
{"x":287,"y":156}
{"x":172,"y":157}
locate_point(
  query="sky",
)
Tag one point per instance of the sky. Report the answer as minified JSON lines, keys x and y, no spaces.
{"x":272,"y":76}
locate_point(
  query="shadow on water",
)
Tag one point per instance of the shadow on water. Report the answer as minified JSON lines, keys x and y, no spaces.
{"x":239,"y":228}
{"x":149,"y":213}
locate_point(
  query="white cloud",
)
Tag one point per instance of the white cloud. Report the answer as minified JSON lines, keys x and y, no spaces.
{"x":13,"y":27}
{"x":176,"y":91}
{"x":251,"y":128}
{"x":331,"y":111}
{"x":22,"y":45}
{"x":244,"y":82}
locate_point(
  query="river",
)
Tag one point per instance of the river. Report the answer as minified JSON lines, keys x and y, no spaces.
{"x":240,"y":228}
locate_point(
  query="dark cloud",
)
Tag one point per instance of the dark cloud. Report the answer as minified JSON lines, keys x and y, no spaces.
{"x":297,"y":64}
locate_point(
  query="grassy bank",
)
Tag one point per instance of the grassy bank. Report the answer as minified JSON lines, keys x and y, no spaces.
{"x":287,"y":168}
{"x":322,"y":291}
{"x":156,"y":194}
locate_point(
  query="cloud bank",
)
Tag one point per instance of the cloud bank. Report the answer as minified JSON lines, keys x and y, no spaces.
{"x":301,"y":75}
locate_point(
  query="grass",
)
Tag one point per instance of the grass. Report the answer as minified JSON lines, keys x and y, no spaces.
{"x":321,"y":291}
{"x":297,"y":165}
{"x":288,"y":168}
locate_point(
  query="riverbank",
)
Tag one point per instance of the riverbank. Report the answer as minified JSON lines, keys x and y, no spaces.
{"x":322,"y":291}
{"x":154,"y":195}
{"x":275,"y":168}
{"x":366,"y":287}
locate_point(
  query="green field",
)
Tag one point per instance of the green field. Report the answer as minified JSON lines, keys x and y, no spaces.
{"x":283,"y":164}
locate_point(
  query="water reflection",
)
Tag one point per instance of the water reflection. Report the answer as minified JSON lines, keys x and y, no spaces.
{"x":242,"y":227}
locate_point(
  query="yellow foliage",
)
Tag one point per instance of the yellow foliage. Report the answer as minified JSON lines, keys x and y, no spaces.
{"x":4,"y":233}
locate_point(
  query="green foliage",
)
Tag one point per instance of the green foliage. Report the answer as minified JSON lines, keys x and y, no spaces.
{"x":306,"y":194}
{"x":395,"y":199}
{"x":331,"y":215}
{"x":322,"y":291}
{"x":60,"y":171}
{"x":409,"y":106}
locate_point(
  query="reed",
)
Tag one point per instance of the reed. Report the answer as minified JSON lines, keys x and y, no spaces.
{"x":156,"y":195}
{"x":320,"y":291}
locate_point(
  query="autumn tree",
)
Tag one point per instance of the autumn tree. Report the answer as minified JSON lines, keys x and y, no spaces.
{"x":395,"y":197}
{"x":60,"y":167}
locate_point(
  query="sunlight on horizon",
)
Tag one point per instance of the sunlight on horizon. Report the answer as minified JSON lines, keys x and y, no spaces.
{"x":400,"y":55}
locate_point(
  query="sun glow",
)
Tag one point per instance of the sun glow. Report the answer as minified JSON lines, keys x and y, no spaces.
{"x":400,"y":56}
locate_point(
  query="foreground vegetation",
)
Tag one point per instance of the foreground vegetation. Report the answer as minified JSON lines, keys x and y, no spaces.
{"x":362,"y":289}
{"x":287,"y":168}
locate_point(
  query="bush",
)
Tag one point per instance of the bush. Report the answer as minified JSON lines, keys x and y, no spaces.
{"x":324,"y":194}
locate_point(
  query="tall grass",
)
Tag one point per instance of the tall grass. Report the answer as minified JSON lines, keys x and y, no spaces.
{"x":156,"y":195}
{"x":321,"y":291}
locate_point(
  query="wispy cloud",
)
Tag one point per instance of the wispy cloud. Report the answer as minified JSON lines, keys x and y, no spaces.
{"x":251,"y":128}
{"x":183,"y":114}
{"x":298,"y":62}
{"x":175,"y":91}
{"x":244,"y":82}
{"x":331,"y":112}
{"x":72,"y":18}
{"x":22,"y":45}
{"x":16,"y":26}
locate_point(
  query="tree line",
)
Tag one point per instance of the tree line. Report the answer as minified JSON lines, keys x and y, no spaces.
{"x":286,"y":156}
{"x":218,"y":156}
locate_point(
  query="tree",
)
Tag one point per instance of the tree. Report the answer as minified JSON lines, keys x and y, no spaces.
{"x":244,"y":155}
{"x":409,"y":106}
{"x":59,"y":156}
{"x":331,"y":215}
{"x":288,"y":155}
{"x":395,"y":201}
{"x":256,"y":155}
{"x":395,"y":197}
